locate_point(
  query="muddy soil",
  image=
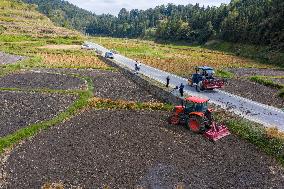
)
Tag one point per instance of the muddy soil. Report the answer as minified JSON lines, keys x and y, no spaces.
{"x":279,"y":81}
{"x":126,"y":149}
{"x":254,"y":91}
{"x":113,"y":85}
{"x":19,"y":109}
{"x":41,"y":80}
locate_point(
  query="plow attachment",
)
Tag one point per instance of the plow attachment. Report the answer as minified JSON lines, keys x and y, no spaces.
{"x":217,"y":132}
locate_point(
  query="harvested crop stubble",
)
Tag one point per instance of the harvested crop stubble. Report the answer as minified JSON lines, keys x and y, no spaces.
{"x":185,"y":66}
{"x":126,"y":149}
{"x":62,"y":60}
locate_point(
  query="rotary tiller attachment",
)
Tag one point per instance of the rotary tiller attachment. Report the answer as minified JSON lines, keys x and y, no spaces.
{"x":217,"y":132}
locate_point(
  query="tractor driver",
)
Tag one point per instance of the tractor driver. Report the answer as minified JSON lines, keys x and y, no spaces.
{"x":209,"y":74}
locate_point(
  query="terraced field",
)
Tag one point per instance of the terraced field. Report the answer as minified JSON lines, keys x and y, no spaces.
{"x":70,"y":120}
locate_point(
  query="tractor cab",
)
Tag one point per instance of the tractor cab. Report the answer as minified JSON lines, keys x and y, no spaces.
{"x":195,"y":104}
{"x":204,"y":71}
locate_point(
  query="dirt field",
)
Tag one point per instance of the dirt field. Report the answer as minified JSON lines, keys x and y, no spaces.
{"x":280,"y":81}
{"x":115,"y":86}
{"x":19,"y":109}
{"x":118,"y":148}
{"x":126,"y":149}
{"x":35,"y":80}
{"x":254,"y":91}
{"x":111,"y":84}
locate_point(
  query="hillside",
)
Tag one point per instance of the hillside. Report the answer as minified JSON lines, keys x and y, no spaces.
{"x":64,"y":13}
{"x":242,"y":21}
{"x":17,"y":18}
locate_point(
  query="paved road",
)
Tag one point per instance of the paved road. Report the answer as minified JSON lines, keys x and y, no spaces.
{"x":254,"y":111}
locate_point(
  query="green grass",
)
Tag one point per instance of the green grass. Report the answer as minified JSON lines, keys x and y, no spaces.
{"x":281,"y":93}
{"x":266,"y":81}
{"x":224,"y":74}
{"x":261,"y":54}
{"x":15,"y":38}
{"x":255,"y":134}
{"x":24,"y":133}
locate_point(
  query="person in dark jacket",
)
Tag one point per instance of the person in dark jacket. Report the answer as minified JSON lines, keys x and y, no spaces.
{"x":136,"y":68}
{"x":168,"y":81}
{"x":181,"y":87}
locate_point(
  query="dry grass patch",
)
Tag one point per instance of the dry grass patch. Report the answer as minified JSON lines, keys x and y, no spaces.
{"x":61,"y":47}
{"x":274,"y":133}
{"x":72,"y":61}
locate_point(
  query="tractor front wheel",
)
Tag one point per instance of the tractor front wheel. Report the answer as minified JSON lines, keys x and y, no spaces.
{"x":195,"y":124}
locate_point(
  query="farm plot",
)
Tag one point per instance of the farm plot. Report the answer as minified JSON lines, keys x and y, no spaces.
{"x":255,"y":92}
{"x":247,"y":72}
{"x":76,"y":60}
{"x":127,"y":149}
{"x":279,"y":80}
{"x":111,"y":85}
{"x":38,"y":80}
{"x":262,"y":85}
{"x":115,"y":86}
{"x":19,"y":109}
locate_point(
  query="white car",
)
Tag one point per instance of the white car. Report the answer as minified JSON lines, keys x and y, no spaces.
{"x":87,"y":47}
{"x":109,"y":55}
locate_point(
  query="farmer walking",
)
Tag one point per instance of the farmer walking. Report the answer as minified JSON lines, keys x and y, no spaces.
{"x":168,"y":81}
{"x":181,"y":87}
{"x":136,"y":68}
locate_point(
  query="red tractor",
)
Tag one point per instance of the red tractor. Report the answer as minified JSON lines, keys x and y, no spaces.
{"x":196,"y":116}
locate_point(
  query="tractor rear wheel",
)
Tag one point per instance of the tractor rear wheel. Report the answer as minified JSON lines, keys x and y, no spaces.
{"x":195,"y":124}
